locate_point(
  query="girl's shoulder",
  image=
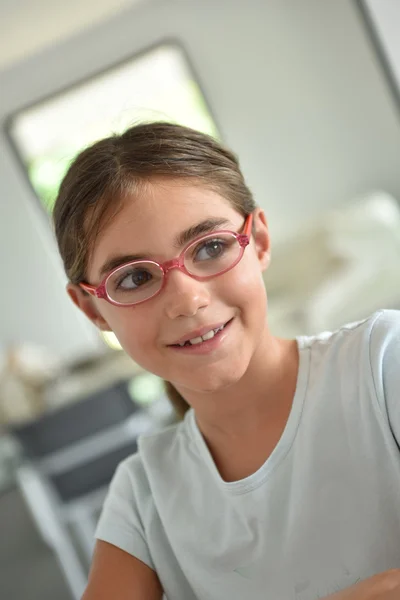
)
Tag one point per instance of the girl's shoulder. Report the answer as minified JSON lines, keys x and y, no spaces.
{"x":354,"y":358}
{"x":154,"y":448}
{"x":371,"y":331}
{"x":363,"y":356}
{"x":130,"y":494}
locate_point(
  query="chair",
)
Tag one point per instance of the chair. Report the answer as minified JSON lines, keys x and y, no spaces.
{"x":69,"y":457}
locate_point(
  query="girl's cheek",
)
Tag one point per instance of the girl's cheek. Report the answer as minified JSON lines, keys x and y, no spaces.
{"x":140,"y":352}
{"x":248,"y":282}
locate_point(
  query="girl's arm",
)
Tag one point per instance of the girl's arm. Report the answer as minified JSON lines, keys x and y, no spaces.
{"x":383,"y":586}
{"x":118,"y":575}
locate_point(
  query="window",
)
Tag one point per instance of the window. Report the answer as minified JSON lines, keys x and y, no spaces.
{"x":157,"y":85}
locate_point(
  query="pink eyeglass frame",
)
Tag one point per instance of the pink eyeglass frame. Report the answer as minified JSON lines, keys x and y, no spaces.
{"x":174,"y":263}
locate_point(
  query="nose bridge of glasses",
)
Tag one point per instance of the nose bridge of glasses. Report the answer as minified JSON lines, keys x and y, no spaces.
{"x":174,"y":263}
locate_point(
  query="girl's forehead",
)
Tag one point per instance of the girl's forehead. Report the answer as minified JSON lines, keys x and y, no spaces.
{"x":173,"y":200}
{"x":147,"y":224}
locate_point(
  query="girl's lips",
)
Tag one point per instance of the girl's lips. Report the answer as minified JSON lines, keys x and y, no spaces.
{"x":206,"y":346}
{"x":198,"y":333}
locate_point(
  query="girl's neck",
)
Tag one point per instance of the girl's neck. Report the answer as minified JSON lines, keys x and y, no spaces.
{"x":257,"y":399}
{"x":242,"y":425}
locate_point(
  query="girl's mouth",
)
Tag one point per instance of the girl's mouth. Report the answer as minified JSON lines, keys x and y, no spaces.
{"x":206,"y":342}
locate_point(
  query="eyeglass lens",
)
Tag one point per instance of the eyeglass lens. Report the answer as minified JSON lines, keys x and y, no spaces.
{"x":133,"y":283}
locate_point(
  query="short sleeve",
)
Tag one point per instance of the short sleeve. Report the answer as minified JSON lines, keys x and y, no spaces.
{"x":385,"y":364}
{"x":120,"y":523}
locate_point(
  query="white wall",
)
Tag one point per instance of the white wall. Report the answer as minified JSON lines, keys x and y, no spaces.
{"x":385,"y":16}
{"x":294,"y":86}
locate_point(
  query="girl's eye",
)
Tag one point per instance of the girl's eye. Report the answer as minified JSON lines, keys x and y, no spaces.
{"x":210,"y":249}
{"x":134,"y":279}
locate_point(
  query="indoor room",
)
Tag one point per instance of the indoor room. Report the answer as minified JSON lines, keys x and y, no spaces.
{"x":306,"y":93}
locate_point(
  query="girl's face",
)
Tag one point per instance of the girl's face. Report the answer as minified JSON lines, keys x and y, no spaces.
{"x":149,"y":226}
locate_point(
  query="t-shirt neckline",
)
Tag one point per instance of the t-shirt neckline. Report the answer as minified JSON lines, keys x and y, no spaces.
{"x":284,"y":444}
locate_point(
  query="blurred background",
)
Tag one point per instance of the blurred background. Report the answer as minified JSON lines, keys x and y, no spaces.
{"x":305,"y":92}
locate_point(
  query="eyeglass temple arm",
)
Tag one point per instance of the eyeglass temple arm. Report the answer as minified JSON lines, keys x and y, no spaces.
{"x":248,"y":225}
{"x":90,"y":289}
{"x":246,"y":235}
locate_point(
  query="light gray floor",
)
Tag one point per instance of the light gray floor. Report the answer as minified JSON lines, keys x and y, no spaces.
{"x":28,"y":569}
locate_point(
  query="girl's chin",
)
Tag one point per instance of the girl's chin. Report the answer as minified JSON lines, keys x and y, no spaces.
{"x":210,"y":383}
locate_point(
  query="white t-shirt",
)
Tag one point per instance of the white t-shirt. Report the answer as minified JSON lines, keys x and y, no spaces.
{"x":321,"y":513}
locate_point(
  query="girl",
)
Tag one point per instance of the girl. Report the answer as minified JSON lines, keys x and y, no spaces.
{"x":282,"y":480}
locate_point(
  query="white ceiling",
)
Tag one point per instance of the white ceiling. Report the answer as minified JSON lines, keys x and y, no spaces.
{"x":28,"y":26}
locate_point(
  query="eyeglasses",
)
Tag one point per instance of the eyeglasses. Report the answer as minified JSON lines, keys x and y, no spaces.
{"x":204,"y":258}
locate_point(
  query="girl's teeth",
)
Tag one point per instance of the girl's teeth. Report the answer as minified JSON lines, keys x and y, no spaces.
{"x":208,"y":335}
{"x":203,"y":338}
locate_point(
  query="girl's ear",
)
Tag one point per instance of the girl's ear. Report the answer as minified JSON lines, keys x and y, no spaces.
{"x":261,"y":238}
{"x":85,"y":302}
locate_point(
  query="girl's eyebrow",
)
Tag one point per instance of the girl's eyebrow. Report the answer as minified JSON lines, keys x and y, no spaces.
{"x":183,"y":238}
{"x":201,"y":228}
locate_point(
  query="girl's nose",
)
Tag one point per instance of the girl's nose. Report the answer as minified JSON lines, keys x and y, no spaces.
{"x":183,"y":295}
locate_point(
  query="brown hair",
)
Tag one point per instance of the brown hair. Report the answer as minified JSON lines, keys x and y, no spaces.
{"x":101,"y":176}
